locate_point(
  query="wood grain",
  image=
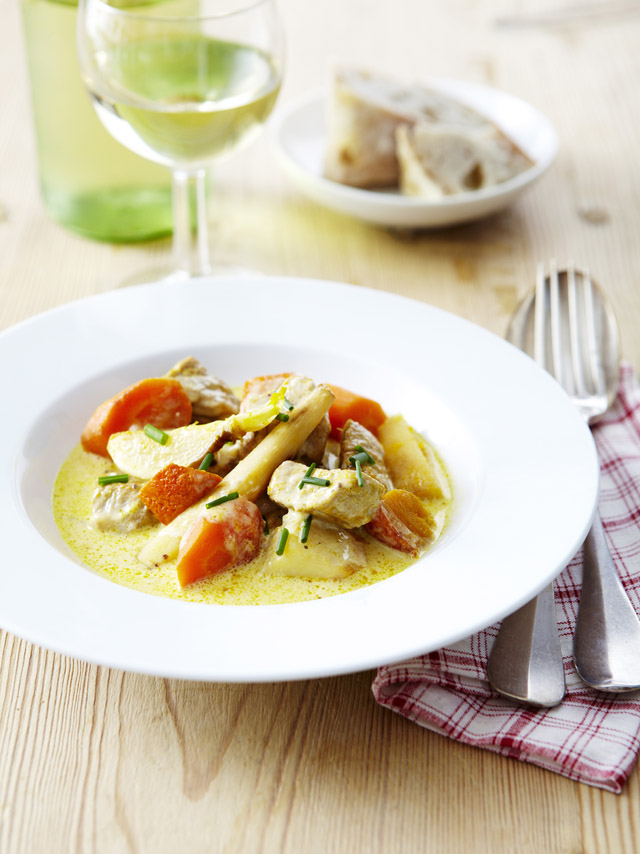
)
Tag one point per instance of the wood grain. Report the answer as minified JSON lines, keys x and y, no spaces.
{"x":94,"y":760}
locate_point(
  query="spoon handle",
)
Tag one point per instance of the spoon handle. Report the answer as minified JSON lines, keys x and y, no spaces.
{"x":606,"y":647}
{"x":526,"y":660}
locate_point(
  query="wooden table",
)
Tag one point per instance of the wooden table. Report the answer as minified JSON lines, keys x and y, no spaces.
{"x":95,"y":760}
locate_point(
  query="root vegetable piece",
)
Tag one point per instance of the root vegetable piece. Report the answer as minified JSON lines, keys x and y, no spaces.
{"x":252,"y":474}
{"x":348,"y":405}
{"x":174,"y":488}
{"x":329,"y":552}
{"x":411,"y":461}
{"x":223,"y":537}
{"x":141,"y":456}
{"x":402,"y":522}
{"x":158,"y":401}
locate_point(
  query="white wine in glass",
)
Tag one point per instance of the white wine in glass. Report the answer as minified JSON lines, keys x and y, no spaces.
{"x":182,"y":83}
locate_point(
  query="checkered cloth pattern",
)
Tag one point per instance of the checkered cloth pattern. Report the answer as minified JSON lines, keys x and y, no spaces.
{"x":591,"y":736}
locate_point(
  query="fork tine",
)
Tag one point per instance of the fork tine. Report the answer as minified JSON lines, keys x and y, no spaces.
{"x":575,"y":338}
{"x":539,"y":320}
{"x":596,"y":368}
{"x":556,"y":331}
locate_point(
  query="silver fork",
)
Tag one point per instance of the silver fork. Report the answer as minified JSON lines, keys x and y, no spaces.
{"x":579,"y":347}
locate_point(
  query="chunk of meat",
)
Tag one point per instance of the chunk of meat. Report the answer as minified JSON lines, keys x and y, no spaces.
{"x":158,"y":401}
{"x":355,"y":436}
{"x":272,"y":513}
{"x":329,"y":551}
{"x":231,"y":453}
{"x":222,"y":537}
{"x":174,"y":488}
{"x":117,"y":507}
{"x":342,"y":501}
{"x":211,"y":398}
{"x":402,"y":522}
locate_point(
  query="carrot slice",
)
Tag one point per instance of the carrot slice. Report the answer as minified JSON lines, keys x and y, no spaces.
{"x":226,"y":536}
{"x":158,"y":401}
{"x":349,"y":405}
{"x":174,"y":488}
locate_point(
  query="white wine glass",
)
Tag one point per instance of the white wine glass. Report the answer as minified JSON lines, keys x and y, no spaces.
{"x":182,"y":83}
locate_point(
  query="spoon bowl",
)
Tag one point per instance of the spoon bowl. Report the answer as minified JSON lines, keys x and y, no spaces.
{"x":600,"y":347}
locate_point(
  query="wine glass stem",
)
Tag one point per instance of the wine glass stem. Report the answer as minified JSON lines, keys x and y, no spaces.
{"x":190,"y":246}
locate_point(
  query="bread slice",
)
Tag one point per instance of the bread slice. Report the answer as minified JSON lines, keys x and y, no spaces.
{"x":371,"y":141}
{"x":442,"y":160}
{"x":364,"y":113}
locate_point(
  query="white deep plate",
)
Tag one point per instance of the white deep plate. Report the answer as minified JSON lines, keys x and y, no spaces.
{"x":523,"y":464}
{"x":298,"y":133}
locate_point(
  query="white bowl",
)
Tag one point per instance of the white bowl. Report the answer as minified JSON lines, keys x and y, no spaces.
{"x":298,"y":134}
{"x":523,"y":464}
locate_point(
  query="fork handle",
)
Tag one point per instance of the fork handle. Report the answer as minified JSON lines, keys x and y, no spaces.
{"x":606,"y":646}
{"x":526,"y":660}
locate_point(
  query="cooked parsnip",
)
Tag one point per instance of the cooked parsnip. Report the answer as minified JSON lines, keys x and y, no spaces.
{"x":411,"y":461}
{"x":252,"y":474}
{"x":138,"y":455}
{"x":329,"y":552}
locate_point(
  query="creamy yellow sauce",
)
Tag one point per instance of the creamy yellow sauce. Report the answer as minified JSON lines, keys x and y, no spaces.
{"x":113,"y":555}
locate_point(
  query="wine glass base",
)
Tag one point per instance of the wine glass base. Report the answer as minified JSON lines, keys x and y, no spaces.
{"x":167,"y":274}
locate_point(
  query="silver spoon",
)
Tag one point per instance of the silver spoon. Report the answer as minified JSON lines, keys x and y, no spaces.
{"x":581,"y":345}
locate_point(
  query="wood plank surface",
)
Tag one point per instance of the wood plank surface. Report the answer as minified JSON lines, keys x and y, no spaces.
{"x":95,"y":760}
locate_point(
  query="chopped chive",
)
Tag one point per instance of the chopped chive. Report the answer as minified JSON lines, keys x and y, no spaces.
{"x":362,"y":455}
{"x":304,"y":530}
{"x":157,"y":435}
{"x":282,"y":416}
{"x":314,"y":481}
{"x":308,"y":473}
{"x":359,"y":477}
{"x":208,"y":460}
{"x":113,"y":478}
{"x":266,"y":526}
{"x":229,"y":497}
{"x":282,"y":542}
{"x":288,"y":405}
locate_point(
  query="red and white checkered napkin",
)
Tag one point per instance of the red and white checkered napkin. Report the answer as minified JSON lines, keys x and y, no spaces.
{"x":591,"y":736}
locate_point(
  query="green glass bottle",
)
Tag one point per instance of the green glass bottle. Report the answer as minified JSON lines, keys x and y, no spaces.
{"x":89,"y":182}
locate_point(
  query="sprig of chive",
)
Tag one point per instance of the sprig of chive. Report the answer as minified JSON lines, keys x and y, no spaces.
{"x":113,"y":478}
{"x":282,"y":416}
{"x":287,"y":404}
{"x":282,"y":541}
{"x":223,"y":498}
{"x":265,"y":530}
{"x":308,"y":473}
{"x":314,"y":481}
{"x":157,"y":435}
{"x":363,"y":456}
{"x":304,"y":530}
{"x":207,"y":461}
{"x":359,"y":477}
